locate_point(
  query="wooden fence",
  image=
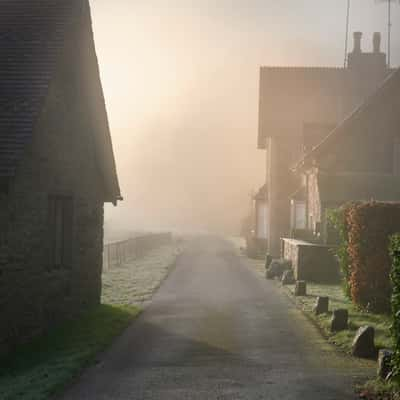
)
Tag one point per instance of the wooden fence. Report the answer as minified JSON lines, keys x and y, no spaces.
{"x":117,"y":253}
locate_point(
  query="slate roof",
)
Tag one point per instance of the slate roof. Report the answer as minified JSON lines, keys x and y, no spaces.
{"x":262,"y":193}
{"x":358,"y":187}
{"x":300,"y":194}
{"x":32,"y":34}
{"x":384,"y":98}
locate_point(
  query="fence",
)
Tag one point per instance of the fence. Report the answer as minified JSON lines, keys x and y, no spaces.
{"x":117,"y":253}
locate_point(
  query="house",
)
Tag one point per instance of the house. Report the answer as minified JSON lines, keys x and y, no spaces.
{"x":257,"y":241}
{"x":57,"y":166}
{"x":298,"y":107}
{"x":359,"y":160}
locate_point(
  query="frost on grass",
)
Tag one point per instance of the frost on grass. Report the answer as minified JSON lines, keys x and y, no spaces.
{"x":136,"y":281}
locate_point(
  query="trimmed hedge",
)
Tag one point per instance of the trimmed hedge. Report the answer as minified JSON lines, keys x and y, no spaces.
{"x":337,"y":220}
{"x":369,"y":227}
{"x":395,"y":278}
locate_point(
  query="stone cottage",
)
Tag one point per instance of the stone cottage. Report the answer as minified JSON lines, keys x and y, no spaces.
{"x":298,"y":107}
{"x":359,"y":160}
{"x":57,"y":166}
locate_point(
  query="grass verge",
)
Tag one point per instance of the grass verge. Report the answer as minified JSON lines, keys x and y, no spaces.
{"x":378,"y":389}
{"x":374,"y":389}
{"x":44,"y":367}
{"x":357,"y":317}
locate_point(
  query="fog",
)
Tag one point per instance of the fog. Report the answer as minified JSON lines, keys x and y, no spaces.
{"x":181,"y":86}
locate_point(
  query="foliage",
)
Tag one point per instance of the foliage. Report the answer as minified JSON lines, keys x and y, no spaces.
{"x":44,"y":367}
{"x":395,"y":278}
{"x":370,"y":226}
{"x":337,"y":220}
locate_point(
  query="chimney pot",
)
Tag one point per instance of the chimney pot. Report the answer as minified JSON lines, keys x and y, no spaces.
{"x":377,"y":42}
{"x":357,"y":42}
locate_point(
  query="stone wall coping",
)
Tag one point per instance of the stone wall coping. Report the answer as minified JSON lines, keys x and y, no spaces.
{"x":300,"y":243}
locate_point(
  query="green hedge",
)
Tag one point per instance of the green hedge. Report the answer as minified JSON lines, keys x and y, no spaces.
{"x":395,"y":278}
{"x":337,"y":221}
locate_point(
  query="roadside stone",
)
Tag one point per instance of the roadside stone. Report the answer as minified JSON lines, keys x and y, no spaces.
{"x":301,"y":288}
{"x":340,"y":320}
{"x":269,"y":274}
{"x":384,"y":363}
{"x":277,"y":268}
{"x":321,"y":305}
{"x":363,"y":343}
{"x":288,"y":278}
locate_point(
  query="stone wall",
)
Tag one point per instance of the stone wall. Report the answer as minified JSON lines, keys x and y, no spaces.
{"x":311,"y":262}
{"x":60,"y":160}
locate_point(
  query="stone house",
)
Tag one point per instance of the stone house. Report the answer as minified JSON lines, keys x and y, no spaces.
{"x":358,"y":161}
{"x":298,"y":107}
{"x":57,"y":166}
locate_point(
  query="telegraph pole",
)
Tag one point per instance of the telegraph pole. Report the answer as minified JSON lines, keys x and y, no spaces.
{"x":389,"y":29}
{"x":346,"y":43}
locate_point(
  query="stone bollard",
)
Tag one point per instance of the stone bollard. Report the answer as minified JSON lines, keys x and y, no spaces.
{"x":288,"y":278}
{"x":340,"y":320}
{"x":384,"y":363}
{"x":277,"y":268}
{"x":269,"y":274}
{"x":364,"y":343}
{"x":301,"y":288}
{"x":321,"y":305}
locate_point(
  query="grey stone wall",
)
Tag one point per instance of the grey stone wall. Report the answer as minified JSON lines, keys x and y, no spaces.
{"x":311,"y":262}
{"x":34,"y":295}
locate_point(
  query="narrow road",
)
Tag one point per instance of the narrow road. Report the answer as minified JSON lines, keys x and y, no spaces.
{"x":216,"y":330}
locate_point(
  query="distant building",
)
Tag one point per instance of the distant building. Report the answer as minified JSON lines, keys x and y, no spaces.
{"x":359,"y":160}
{"x":258,"y":239}
{"x":56,"y":166}
{"x":298,"y":107}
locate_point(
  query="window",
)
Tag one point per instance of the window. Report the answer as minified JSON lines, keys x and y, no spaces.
{"x":311,"y":222}
{"x":301,"y":218}
{"x":60,"y":229}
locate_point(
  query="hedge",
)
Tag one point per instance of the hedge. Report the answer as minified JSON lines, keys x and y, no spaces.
{"x":395,"y":279}
{"x":369,"y":227}
{"x":337,"y":220}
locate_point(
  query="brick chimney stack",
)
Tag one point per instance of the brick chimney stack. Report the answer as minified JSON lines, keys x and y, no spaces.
{"x":357,"y":42}
{"x":377,"y":42}
{"x":366,"y":69}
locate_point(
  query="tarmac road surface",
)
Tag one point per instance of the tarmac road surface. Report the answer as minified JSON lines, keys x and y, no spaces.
{"x":216,"y":330}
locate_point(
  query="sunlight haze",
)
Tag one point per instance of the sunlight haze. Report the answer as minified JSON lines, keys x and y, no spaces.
{"x":181,"y":86}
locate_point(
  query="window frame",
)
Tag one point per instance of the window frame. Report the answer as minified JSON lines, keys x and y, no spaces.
{"x":61,"y":230}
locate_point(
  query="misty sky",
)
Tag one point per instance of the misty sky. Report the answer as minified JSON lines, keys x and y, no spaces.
{"x":181,"y":85}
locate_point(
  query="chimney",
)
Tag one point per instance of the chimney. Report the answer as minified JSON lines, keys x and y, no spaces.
{"x":357,"y":42}
{"x":377,"y":42}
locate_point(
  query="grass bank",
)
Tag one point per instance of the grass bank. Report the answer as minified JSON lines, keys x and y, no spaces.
{"x":44,"y":367}
{"x":47,"y":365}
{"x":357,"y":317}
